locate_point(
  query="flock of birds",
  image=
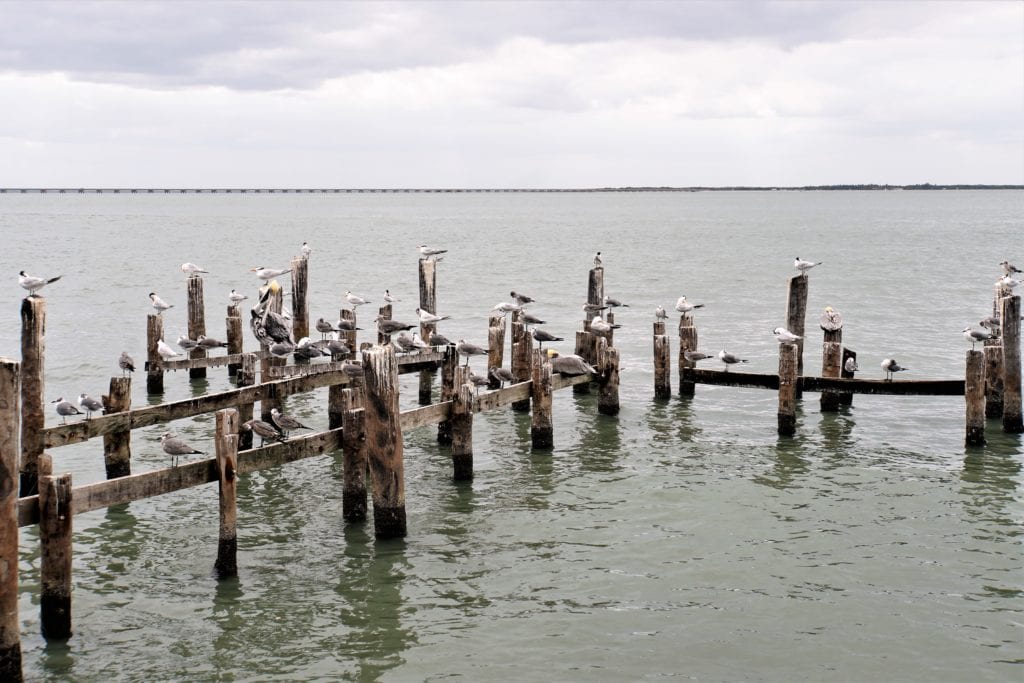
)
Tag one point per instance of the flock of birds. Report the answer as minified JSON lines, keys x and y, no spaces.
{"x":273,"y":330}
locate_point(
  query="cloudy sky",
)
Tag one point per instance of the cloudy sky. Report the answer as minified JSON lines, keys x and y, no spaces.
{"x":510,"y":94}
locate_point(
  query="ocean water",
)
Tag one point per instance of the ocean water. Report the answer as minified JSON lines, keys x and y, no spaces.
{"x":681,"y":539}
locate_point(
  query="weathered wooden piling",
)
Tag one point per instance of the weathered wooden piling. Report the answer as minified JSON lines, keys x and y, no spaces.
{"x":608,"y":365}
{"x":226,"y":448}
{"x":449,"y":366}
{"x":154,"y":363}
{"x":662,"y":362}
{"x":196,"y":321}
{"x":831,"y":366}
{"x":542,"y":433}
{"x":33,"y":353}
{"x":54,"y":552}
{"x":246,"y":378}
{"x":796,"y":315}
{"x":788,"y":380}
{"x":994,"y":378}
{"x":495,"y":345}
{"x":847,"y":399}
{"x":385,"y":448}
{"x":233,"y":329}
{"x":586,"y":341}
{"x":462,"y":426}
{"x":10,"y":425}
{"x":349,"y":336}
{"x":273,"y":398}
{"x":300,"y":287}
{"x":428,"y":302}
{"x":974,"y":397}
{"x":687,"y":342}
{"x":1013,"y":422}
{"x":354,"y":462}
{"x":385,"y":312}
{"x":117,"y":452}
{"x":522,"y":354}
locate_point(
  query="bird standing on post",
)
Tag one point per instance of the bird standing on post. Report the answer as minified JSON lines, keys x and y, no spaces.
{"x":191,"y":269}
{"x":975,"y":336}
{"x":355,"y":301}
{"x":804,"y":266}
{"x":785,"y":336}
{"x":684,"y":306}
{"x":34,"y":284}
{"x":831,"y":320}
{"x":431,"y":252}
{"x":268,"y":273}
{"x":126,"y":363}
{"x":541,"y":336}
{"x":159,"y":304}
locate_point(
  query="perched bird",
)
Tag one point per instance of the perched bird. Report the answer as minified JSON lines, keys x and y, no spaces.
{"x":1009,"y":268}
{"x":684,"y":306}
{"x":597,"y":260}
{"x":831,"y":319}
{"x":389,"y":327}
{"x":34,"y":284}
{"x":530,"y":319}
{"x":502,"y":375}
{"x":191,"y":269}
{"x":851,"y":365}
{"x":65,"y":408}
{"x":418,"y":342}
{"x":601,"y":327}
{"x":277,"y":327}
{"x":542,"y":336}
{"x":891,"y":367}
{"x":478,"y":381}
{"x":660,"y":313}
{"x":1008,"y":282}
{"x":521,"y":299}
{"x":88,"y":404}
{"x":975,"y":336}
{"x":694,"y":356}
{"x":306,"y":250}
{"x":264,"y":430}
{"x":403,"y":342}
{"x":175,"y":447}
{"x":205,"y":342}
{"x":439,"y":340}
{"x":186,"y":344}
{"x":729,"y":359}
{"x":126,"y":363}
{"x":159,"y":304}
{"x":785,"y":336}
{"x":429,"y":252}
{"x":355,"y":301}
{"x":268,"y":273}
{"x":507,"y":307}
{"x":569,"y":365}
{"x":286,"y":423}
{"x":236,"y":298}
{"x":165,"y":351}
{"x":281,"y":349}
{"x":426,"y":317}
{"x":589,"y":308}
{"x":347,"y":326}
{"x":352,"y":368}
{"x":804,"y":266}
{"x":307,"y":350}
{"x":338,"y":349}
{"x":613,"y":303}
{"x":464,"y":348}
{"x":388,"y":298}
{"x":324,"y":328}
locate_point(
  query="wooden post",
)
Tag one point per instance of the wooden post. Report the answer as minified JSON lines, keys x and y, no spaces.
{"x":55,"y":552}
{"x":196,"y":321}
{"x":353,"y":440}
{"x":154,"y":364}
{"x":796,"y":315}
{"x":586,"y":341}
{"x":1013,"y":423}
{"x":273,"y":399}
{"x":542,"y":433}
{"x":10,"y":424}
{"x":496,"y":344}
{"x":662,"y":362}
{"x":226,"y":447}
{"x":994,"y":378}
{"x":33,"y":352}
{"x":428,"y":302}
{"x":233,"y":325}
{"x":584,"y":347}
{"x":608,"y":395}
{"x":385,"y":448}
{"x":449,"y":366}
{"x":117,"y":450}
{"x":831,"y":366}
{"x":522,"y":354}
{"x":687,"y":342}
{"x":385,"y":313}
{"x":847,"y":399}
{"x":788,"y":379}
{"x":974,"y":397}
{"x":462,"y":427}
{"x":349,"y":337}
{"x":300,"y":309}
{"x":246,"y":378}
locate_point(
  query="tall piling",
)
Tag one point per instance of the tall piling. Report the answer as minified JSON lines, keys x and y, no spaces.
{"x":233,"y":329}
{"x":462,"y":427}
{"x":662,"y":362}
{"x":300,"y":287}
{"x":354,"y":459}
{"x":33,"y":353}
{"x":831,"y":366}
{"x":428,"y":302}
{"x":974,"y":398}
{"x":246,"y":378}
{"x":796,"y":315}
{"x":687,"y":342}
{"x":608,"y":365}
{"x":273,"y":398}
{"x":117,"y":450}
{"x":196,"y":321}
{"x":586,"y":341}
{"x":226,"y":448}
{"x":1012,"y":419}
{"x":54,"y":552}
{"x":449,"y":366}
{"x":994,"y":378}
{"x":542,"y":433}
{"x":349,"y":336}
{"x":385,"y":448}
{"x":522,"y":353}
{"x":154,"y":363}
{"x":495,"y":345}
{"x":788,"y":379}
{"x":10,"y":447}
{"x":385,"y":312}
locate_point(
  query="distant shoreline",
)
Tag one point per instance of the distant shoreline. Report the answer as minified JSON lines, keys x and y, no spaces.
{"x":441,"y":190}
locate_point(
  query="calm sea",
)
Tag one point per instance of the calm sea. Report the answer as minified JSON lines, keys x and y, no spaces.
{"x":682,"y":539}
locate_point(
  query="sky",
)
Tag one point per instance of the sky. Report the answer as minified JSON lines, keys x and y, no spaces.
{"x":510,"y":94}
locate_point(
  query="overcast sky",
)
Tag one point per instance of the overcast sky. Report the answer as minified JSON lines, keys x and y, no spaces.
{"x":510,"y":94}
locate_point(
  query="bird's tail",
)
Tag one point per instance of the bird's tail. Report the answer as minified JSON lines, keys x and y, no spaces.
{"x":54,"y":279}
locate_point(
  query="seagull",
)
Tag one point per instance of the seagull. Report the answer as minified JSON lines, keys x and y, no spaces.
{"x":544,"y":336}
{"x":65,"y":408}
{"x":282,"y":349}
{"x":34,"y":284}
{"x":388,"y":298}
{"x":389,"y":327}
{"x":478,"y":381}
{"x":569,"y":365}
{"x":439,"y":340}
{"x":694,"y":356}
{"x":159,"y":304}
{"x":431,"y":251}
{"x":593,"y":308}
{"x":1008,"y":282}
{"x":308,"y":350}
{"x":286,"y":423}
{"x":175,"y":447}
{"x":165,"y":351}
{"x":502,"y":375}
{"x":265,"y":430}
{"x":338,"y":349}
{"x":418,"y":342}
{"x":684,"y":306}
{"x":89,"y":404}
{"x":803,"y":266}
{"x":126,"y":363}
{"x":266,"y":274}
{"x":306,"y":250}
{"x":529,"y":319}
{"x":729,"y":359}
{"x":600,"y":326}
{"x":1009,"y":268}
{"x":891,"y":367}
{"x":614,"y":303}
{"x":993,"y":324}
{"x":975,"y":336}
{"x":352,"y":368}
{"x":191,"y":269}
{"x":851,"y":365}
{"x":597,"y":260}
{"x":404,"y":342}
{"x":521,"y":299}
{"x":347,"y":326}
{"x":831,"y":319}
{"x":785,"y":336}
{"x":464,"y":348}
{"x":205,"y":342}
{"x":659,"y":313}
{"x":186,"y":344}
{"x":236,"y":298}
{"x":426,"y":317}
{"x":324,"y":328}
{"x":506,"y":307}
{"x":355,"y":301}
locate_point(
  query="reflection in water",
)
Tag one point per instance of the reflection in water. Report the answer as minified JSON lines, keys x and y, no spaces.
{"x":674,"y":417}
{"x":227,"y":602}
{"x":116,"y":539}
{"x":991,"y":476}
{"x":790,"y":465}
{"x":58,"y":660}
{"x":600,"y":441}
{"x":836,"y":430}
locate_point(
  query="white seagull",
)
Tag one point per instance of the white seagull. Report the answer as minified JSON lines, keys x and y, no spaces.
{"x":266,"y":274}
{"x":729,"y":359}
{"x":388,"y":298}
{"x":659,"y":313}
{"x":34,"y":284}
{"x":159,"y":304}
{"x":191,"y":269}
{"x":306,"y":250}
{"x":785,"y":336}
{"x":426,"y":317}
{"x":975,"y":336}
{"x":1008,"y":282}
{"x":803,"y":266}
{"x":506,"y":307}
{"x":684,"y":306}
{"x":354,"y":300}
{"x":851,"y":365}
{"x":236,"y":298}
{"x":600,"y":326}
{"x":165,"y":351}
{"x":429,"y":252}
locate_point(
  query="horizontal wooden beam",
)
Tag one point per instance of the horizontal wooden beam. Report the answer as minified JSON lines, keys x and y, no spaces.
{"x":427,"y":415}
{"x":189,"y":363}
{"x":925,"y":387}
{"x":559,"y":381}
